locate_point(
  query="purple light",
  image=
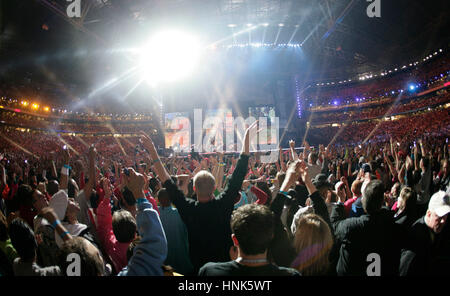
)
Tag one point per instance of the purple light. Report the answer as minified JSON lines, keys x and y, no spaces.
{"x":335,"y":103}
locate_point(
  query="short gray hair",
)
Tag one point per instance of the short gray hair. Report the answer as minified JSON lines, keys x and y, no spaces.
{"x":204,"y":183}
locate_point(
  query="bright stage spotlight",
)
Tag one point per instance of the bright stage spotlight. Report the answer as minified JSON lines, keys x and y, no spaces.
{"x":412,"y":87}
{"x":169,"y":56}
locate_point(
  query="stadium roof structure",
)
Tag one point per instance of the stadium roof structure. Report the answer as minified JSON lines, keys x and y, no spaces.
{"x":39,"y":41}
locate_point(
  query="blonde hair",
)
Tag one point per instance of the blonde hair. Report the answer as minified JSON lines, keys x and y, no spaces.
{"x":204,"y":183}
{"x":313,"y":242}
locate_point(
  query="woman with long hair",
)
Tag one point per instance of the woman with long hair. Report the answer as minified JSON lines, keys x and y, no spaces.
{"x":313,"y":242}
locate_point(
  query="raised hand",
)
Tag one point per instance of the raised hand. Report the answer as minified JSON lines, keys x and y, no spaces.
{"x":92,"y":152}
{"x":49,"y":214}
{"x":291,"y":175}
{"x":107,"y":187}
{"x":307,"y":147}
{"x":251,"y":131}
{"x":302,"y":170}
{"x":292,"y":144}
{"x":148,"y":145}
{"x":135,"y":183}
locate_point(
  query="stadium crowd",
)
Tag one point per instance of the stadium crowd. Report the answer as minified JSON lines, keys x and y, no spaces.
{"x":331,"y":210}
{"x":386,"y":109}
{"x":375,"y":91}
{"x":366,"y":195}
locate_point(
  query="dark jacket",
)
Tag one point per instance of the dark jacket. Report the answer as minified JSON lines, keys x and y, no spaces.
{"x":407,"y":218}
{"x":357,"y":238}
{"x":208,"y":223}
{"x":281,"y":249}
{"x":426,"y":253}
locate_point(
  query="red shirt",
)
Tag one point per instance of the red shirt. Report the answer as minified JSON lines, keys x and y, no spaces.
{"x":151,"y":200}
{"x":348,"y":205}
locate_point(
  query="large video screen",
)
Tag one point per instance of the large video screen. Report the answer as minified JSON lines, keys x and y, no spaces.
{"x":218,"y":122}
{"x":269,"y":113}
{"x":177,"y":131}
{"x":264,"y":111}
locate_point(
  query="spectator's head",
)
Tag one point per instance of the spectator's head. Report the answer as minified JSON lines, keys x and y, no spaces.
{"x":438,"y":210}
{"x":154,"y":185}
{"x":3,"y":227}
{"x":163,"y":198}
{"x":366,"y":168}
{"x":445,"y":167}
{"x":38,"y":200}
{"x":322,"y":185}
{"x":264,"y":187}
{"x":312,"y":158}
{"x":174,"y":179}
{"x":373,"y":197}
{"x":313,"y":242}
{"x":280,"y":177}
{"x":273,"y":172}
{"x":332,"y":197}
{"x":395,"y":190}
{"x":23,"y":240}
{"x":406,"y":199}
{"x":73,"y":208}
{"x":124,"y":226}
{"x":356,"y":188}
{"x":90,"y":258}
{"x":204,"y":185}
{"x":424,"y":163}
{"x":64,"y":207}
{"x":52,"y":187}
{"x":127,"y":197}
{"x":252,"y":228}
{"x":24,"y":195}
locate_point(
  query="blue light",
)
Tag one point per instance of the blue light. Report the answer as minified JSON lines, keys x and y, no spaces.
{"x":335,"y":103}
{"x":412,"y":87}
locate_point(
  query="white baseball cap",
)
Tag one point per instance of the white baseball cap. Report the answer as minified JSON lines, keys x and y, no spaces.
{"x":440,"y":203}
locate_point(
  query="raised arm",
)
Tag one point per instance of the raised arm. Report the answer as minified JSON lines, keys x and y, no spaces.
{"x":104,"y":218}
{"x":292,"y":147}
{"x":158,"y":167}
{"x":49,"y":214}
{"x":150,"y":253}
{"x":416,"y":158}
{"x":235,"y":183}
{"x":92,"y":176}
{"x":282,"y":163}
{"x":64,"y":180}
{"x":221,"y":172}
{"x":320,"y":208}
